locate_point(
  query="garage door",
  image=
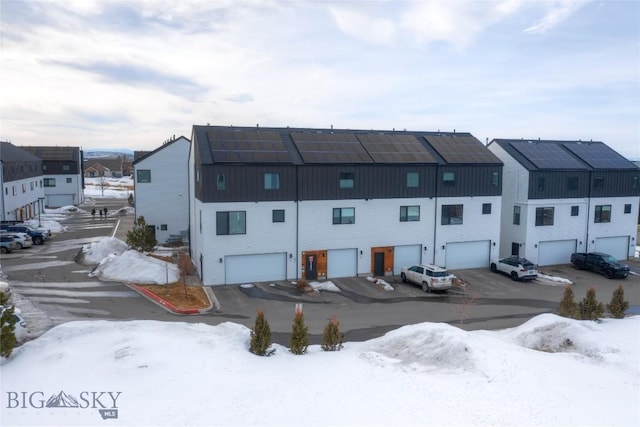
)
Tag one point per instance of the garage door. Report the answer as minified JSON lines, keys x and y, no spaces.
{"x":342,"y":263}
{"x":59,"y":200}
{"x":255,"y":268}
{"x":468,"y":254}
{"x":556,"y":252}
{"x":406,"y":256}
{"x":617,"y":247}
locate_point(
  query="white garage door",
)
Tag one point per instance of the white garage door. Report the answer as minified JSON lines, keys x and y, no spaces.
{"x":255,"y":268}
{"x":59,"y":200}
{"x":406,"y":256}
{"x":468,"y":254}
{"x":617,"y":247}
{"x":556,"y":252}
{"x":342,"y":263}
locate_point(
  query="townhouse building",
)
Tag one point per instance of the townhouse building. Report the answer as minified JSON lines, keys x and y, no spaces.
{"x":22,"y":191}
{"x":287,"y":203}
{"x":161,"y":189}
{"x":63,"y":179}
{"x":560,"y":197}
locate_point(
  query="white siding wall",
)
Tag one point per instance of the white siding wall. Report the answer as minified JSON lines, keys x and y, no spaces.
{"x":621,"y":224}
{"x":164,"y":200}
{"x":475,"y":226}
{"x":377,"y":223}
{"x":15,"y":199}
{"x":73,"y":188}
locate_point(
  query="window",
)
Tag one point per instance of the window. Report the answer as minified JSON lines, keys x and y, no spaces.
{"x":575,"y":210}
{"x":24,"y":187}
{"x":495,"y":179}
{"x":68,"y":180}
{"x":634,"y":182}
{"x":627,"y":208}
{"x":346,"y":180}
{"x":31,"y":185}
{"x":44,"y":168}
{"x":572,"y":183}
{"x":541,"y":183}
{"x":451,"y":214}
{"x":143,"y":175}
{"x":277,"y":215}
{"x":516,"y":215}
{"x":603,"y":213}
{"x":344,"y":215}
{"x":221,"y":184}
{"x":163,"y":227}
{"x":409,"y":213}
{"x":49,"y":182}
{"x":233,"y":222}
{"x":271,"y":181}
{"x":449,"y":178}
{"x":598,"y":181}
{"x":66,"y":168}
{"x":544,"y":216}
{"x":486,"y":208}
{"x":413,"y":179}
{"x":200,"y":217}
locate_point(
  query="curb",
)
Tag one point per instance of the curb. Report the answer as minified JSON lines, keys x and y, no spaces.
{"x":171,"y":307}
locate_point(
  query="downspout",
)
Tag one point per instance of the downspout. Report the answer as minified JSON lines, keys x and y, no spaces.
{"x":2,"y":217}
{"x":296,"y":260}
{"x":586,"y":240}
{"x":435,"y":218}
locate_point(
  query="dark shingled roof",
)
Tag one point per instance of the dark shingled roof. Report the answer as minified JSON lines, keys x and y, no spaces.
{"x":12,"y":153}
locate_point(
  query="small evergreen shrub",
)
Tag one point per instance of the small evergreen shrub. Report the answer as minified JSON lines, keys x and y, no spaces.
{"x":141,"y":237}
{"x":590,"y":308}
{"x":618,"y":305}
{"x":332,"y":338}
{"x":568,"y":308}
{"x":7,"y":330}
{"x":299,"y":337}
{"x":261,"y":337}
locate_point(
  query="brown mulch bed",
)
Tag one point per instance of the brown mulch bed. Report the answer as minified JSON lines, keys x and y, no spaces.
{"x":195,"y":297}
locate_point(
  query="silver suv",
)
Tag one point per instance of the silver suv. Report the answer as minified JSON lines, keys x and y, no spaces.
{"x":517,"y":268}
{"x":429,"y":276}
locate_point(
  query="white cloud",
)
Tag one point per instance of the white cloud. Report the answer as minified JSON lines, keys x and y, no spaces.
{"x":559,"y":11}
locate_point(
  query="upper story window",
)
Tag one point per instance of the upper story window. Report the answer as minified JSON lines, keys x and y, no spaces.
{"x":49,"y":182}
{"x":634,"y":182}
{"x":575,"y":210}
{"x":346,"y":180}
{"x":413,"y":179}
{"x":221,"y":183}
{"x":344,"y":215}
{"x":495,"y":178}
{"x":516,"y":215}
{"x":572,"y":183}
{"x":541,"y":182}
{"x":233,"y":222}
{"x":44,"y":167}
{"x":271,"y":181}
{"x":627,"y":208}
{"x":544,"y":216}
{"x":409,"y":213}
{"x":449,"y":178}
{"x":486,"y":208}
{"x":451,"y":214}
{"x":598,"y":181}
{"x":603,"y":213}
{"x":66,"y":168}
{"x":143,"y":175}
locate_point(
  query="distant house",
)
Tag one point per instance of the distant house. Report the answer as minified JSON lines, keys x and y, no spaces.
{"x":111,"y":167}
{"x":161,"y":189}
{"x":62,"y":174}
{"x":560,"y":197}
{"x":21,"y":183}
{"x":287,"y":203}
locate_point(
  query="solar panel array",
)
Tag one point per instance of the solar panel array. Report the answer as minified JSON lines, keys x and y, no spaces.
{"x":247,"y":146}
{"x":599,"y":155}
{"x":547,"y":155}
{"x":326,"y":147}
{"x":385,"y":148}
{"x":461,"y":149}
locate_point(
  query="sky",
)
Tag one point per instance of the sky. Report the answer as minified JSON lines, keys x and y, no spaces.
{"x":114,"y":74}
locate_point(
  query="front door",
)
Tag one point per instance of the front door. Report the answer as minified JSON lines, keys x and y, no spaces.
{"x":378,"y":264}
{"x":311,"y":267}
{"x":515,"y":249}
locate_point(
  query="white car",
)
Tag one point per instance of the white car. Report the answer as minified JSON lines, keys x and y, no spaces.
{"x":430,"y":277}
{"x":517,"y":268}
{"x":23,"y":240}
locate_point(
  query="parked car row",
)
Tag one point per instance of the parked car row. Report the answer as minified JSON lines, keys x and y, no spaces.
{"x":22,"y":235}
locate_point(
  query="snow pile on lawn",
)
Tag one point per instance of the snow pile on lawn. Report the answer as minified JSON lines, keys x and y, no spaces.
{"x":324,"y":286}
{"x":133,"y":266}
{"x":95,"y":252}
{"x":380,"y":282}
{"x":424,"y":374}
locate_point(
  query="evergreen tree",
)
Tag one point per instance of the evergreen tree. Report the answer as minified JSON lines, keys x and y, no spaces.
{"x":589,"y":308}
{"x":141,"y":237}
{"x":332,"y":338}
{"x":299,"y":337}
{"x":568,"y":308}
{"x":7,"y":329}
{"x":261,"y":336}
{"x":618,"y":305}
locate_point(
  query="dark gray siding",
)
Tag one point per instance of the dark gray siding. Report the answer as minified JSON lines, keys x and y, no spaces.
{"x":14,"y":171}
{"x":618,"y":183}
{"x":245,"y":183}
{"x":556,"y":184}
{"x":470,"y":180}
{"x":57,"y":167}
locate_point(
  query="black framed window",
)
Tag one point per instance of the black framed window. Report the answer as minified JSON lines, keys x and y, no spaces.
{"x":541,"y":182}
{"x":344,"y":215}
{"x":277,"y":215}
{"x":347,"y":180}
{"x":598,"y":181}
{"x":495,"y":178}
{"x":409,"y":213}
{"x":451,"y":214}
{"x":163,"y":227}
{"x":49,"y":182}
{"x":413,"y":179}
{"x":143,"y":175}
{"x":66,"y":168}
{"x":544,"y":216}
{"x":221,"y":182}
{"x":575,"y":210}
{"x":449,"y":178}
{"x":516,"y":215}
{"x":68,"y":182}
{"x":486,"y":208}
{"x":627,"y":208}
{"x":271,"y":181}
{"x":233,"y":222}
{"x":603,"y":213}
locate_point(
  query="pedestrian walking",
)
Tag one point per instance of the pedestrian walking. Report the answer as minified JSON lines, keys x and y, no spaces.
{"x":100,"y":210}
{"x":105,"y":212}
{"x":93,"y":213}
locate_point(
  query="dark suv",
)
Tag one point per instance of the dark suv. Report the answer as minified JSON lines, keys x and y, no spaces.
{"x":38,"y":236}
